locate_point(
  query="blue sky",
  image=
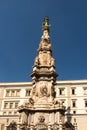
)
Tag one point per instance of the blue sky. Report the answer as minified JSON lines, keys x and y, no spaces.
{"x":20,"y":33}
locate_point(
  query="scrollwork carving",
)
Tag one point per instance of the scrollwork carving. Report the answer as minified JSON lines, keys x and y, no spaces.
{"x":45,"y":35}
{"x":56,"y":101}
{"x":44,"y":91}
{"x":41,"y":118}
{"x":29,"y":102}
{"x":52,"y":61}
{"x":36,"y":61}
{"x":45,"y":45}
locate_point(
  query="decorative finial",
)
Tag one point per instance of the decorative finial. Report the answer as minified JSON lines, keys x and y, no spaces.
{"x":45,"y":24}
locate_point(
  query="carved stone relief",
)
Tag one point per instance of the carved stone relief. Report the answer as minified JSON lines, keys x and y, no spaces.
{"x":46,"y":59}
{"x":36,"y":61}
{"x":41,"y":118}
{"x":42,"y":89}
{"x":45,"y":34}
{"x":44,"y":44}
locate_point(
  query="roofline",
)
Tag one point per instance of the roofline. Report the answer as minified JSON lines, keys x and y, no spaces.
{"x":83,"y":81}
{"x":15,"y":83}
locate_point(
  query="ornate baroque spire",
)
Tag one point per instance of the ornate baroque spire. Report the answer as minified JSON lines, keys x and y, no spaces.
{"x":43,"y":108}
{"x":44,"y":65}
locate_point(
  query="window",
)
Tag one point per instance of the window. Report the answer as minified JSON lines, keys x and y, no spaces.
{"x":85,"y":91}
{"x":15,"y":112}
{"x":4,"y":113}
{"x":10,"y":112}
{"x":7,"y":93}
{"x":17,"y":93}
{"x":6,"y":105}
{"x":73,"y":103}
{"x":13,"y":93}
{"x":61,"y":91}
{"x":28,"y":92}
{"x":16,"y":104}
{"x":73,"y":91}
{"x":85,"y":103}
{"x":74,"y":112}
{"x":11,"y":105}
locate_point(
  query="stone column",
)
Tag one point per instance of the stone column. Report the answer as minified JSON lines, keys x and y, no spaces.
{"x":29,"y":119}
{"x":24,"y":117}
{"x":19,"y":123}
{"x":60,"y":125}
{"x":49,"y":127}
{"x":49,"y":117}
{"x":31,"y":127}
{"x":57,"y":117}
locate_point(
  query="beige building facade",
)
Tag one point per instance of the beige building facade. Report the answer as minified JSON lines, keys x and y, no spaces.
{"x":72,"y":93}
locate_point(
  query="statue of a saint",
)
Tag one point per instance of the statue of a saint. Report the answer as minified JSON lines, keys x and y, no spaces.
{"x":46,"y":21}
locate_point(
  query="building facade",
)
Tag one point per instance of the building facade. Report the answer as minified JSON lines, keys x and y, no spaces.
{"x":44,"y":103}
{"x":72,"y":93}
